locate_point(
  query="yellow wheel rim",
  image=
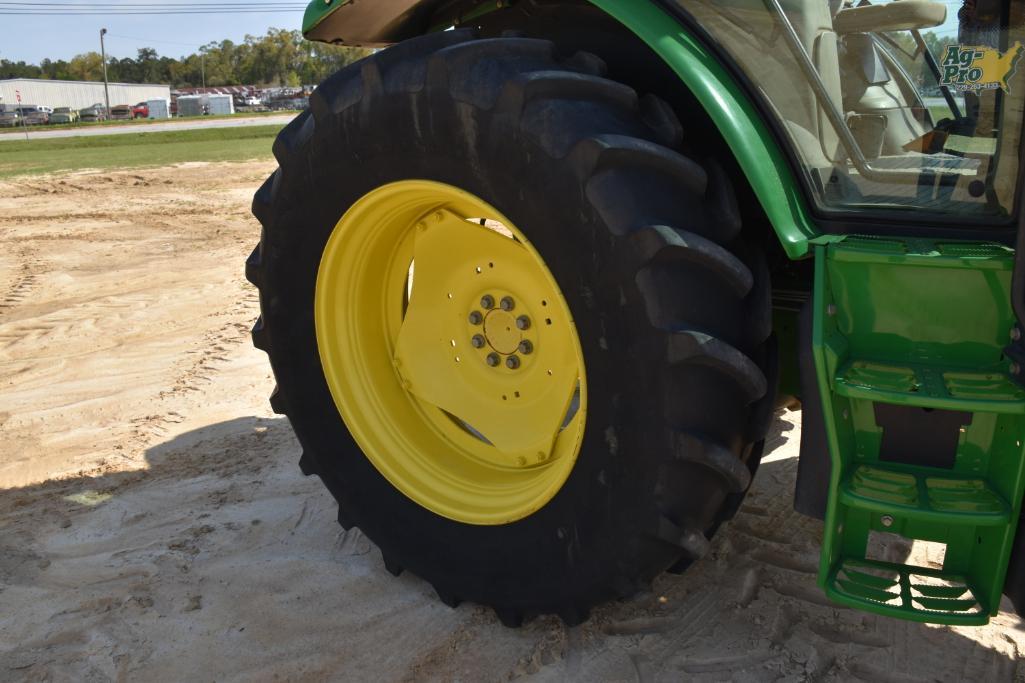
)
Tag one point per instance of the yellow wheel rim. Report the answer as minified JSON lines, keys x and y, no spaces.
{"x":450,"y":352}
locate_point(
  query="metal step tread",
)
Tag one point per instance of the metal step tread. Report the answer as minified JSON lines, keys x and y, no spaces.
{"x":922,"y":252}
{"x":949,"y":499}
{"x":929,"y":386}
{"x":906,"y":592}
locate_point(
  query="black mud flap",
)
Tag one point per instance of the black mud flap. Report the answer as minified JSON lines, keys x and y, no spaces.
{"x":813,"y":466}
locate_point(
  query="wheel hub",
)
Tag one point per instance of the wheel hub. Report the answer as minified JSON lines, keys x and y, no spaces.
{"x":462,"y":376}
{"x":500,"y":331}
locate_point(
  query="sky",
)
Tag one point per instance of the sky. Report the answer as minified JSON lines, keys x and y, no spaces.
{"x":32,"y":38}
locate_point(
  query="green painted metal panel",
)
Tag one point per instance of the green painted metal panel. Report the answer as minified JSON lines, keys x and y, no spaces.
{"x":318,"y":10}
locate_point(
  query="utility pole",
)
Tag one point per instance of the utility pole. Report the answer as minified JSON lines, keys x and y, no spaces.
{"x":24,"y":126}
{"x":106,"y":90}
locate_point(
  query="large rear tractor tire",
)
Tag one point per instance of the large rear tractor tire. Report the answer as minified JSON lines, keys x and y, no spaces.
{"x":514,"y":328}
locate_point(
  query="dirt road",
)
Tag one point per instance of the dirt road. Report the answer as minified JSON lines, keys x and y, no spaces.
{"x":154,"y":524}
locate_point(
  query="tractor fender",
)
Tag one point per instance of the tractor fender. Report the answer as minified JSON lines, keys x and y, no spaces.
{"x":731,"y":109}
{"x":663,"y":27}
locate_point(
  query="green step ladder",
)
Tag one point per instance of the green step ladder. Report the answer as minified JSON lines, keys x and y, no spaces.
{"x":910,"y":332}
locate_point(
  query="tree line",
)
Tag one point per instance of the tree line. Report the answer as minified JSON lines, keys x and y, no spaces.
{"x":282,"y":58}
{"x":279,"y":58}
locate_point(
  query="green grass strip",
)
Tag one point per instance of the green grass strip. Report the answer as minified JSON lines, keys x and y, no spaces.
{"x":133,"y":150}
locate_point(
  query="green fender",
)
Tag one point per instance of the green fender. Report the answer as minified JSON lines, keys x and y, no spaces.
{"x":733,"y":113}
{"x":726,"y":102}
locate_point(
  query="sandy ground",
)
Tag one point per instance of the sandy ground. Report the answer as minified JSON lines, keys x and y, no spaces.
{"x":154,"y":524}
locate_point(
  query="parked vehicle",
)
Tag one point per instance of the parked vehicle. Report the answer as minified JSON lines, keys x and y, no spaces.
{"x":634,"y":224}
{"x":33,"y":115}
{"x":95,"y":112}
{"x":121,"y":112}
{"x":140,"y":111}
{"x":64,"y":115}
{"x":252,"y":101}
{"x":10,"y":117}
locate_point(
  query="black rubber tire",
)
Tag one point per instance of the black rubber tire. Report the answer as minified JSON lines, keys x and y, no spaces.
{"x":645,"y":245}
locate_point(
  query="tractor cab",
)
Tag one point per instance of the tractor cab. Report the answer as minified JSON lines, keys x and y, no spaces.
{"x":891,"y":107}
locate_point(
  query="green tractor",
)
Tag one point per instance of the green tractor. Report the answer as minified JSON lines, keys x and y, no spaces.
{"x":535,"y":276}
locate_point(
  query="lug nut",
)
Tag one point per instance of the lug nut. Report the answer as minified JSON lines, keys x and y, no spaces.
{"x":526,"y":347}
{"x":487,"y":301}
{"x":507,"y":303}
{"x":476,"y":318}
{"x":512,"y":362}
{"x":492,"y":359}
{"x":523,"y":322}
{"x":477,"y":341}
{"x":887,"y":520}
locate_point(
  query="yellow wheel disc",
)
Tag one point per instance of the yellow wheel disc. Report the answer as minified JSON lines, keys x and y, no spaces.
{"x":450,"y":352}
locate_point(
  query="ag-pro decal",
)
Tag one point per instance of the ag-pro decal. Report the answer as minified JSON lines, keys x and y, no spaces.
{"x":976,"y":67}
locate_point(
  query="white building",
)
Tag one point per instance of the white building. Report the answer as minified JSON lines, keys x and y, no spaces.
{"x":76,"y":94}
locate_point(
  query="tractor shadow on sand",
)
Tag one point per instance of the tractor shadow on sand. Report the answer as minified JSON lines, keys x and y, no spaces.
{"x":221,"y":542}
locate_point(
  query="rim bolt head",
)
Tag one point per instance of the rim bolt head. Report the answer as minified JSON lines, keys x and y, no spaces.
{"x":476,"y":318}
{"x":523,"y":322}
{"x":492,"y":359}
{"x":487,"y":301}
{"x":512,"y":362}
{"x":477,"y":341}
{"x":526,"y":347}
{"x":507,"y":303}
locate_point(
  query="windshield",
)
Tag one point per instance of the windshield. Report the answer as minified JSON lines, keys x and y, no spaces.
{"x":894,"y":106}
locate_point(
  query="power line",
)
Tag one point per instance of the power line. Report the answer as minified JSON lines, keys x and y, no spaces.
{"x":269,"y":10}
{"x":155,"y":8}
{"x":152,"y":5}
{"x":18,"y":7}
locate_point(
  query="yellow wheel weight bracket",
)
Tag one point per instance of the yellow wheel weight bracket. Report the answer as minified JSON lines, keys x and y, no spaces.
{"x":450,"y":352}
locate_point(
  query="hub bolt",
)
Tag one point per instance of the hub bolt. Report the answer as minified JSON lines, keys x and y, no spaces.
{"x":477,"y":341}
{"x":487,"y":301}
{"x":512,"y":362}
{"x":523,"y":322}
{"x":507,"y":303}
{"x":887,"y":520}
{"x":526,"y":347}
{"x":492,"y":359}
{"x":476,"y":318}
